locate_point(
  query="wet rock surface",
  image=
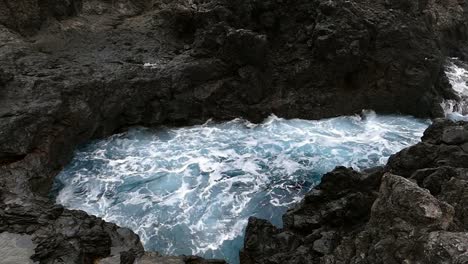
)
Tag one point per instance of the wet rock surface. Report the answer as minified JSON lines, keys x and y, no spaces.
{"x":75,"y":70}
{"x":411,"y":211}
{"x":16,"y":248}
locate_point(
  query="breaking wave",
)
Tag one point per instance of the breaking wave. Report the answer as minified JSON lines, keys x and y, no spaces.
{"x":457,"y":109}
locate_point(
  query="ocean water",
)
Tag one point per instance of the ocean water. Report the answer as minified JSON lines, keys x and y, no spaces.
{"x":457,"y":74}
{"x":191,"y":190}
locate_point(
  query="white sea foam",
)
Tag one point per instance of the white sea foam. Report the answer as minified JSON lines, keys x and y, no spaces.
{"x":150,"y":65}
{"x":191,"y":190}
{"x":458,"y":76}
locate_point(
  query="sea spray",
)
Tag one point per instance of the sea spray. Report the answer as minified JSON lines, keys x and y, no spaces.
{"x":457,"y":73}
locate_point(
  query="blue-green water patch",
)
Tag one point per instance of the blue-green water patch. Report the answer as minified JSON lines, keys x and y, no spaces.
{"x":191,"y":190}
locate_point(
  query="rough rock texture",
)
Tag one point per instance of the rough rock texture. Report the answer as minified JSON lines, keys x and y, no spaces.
{"x":27,"y":16}
{"x":377,"y":216}
{"x":16,"y":248}
{"x":64,"y":236}
{"x":72,"y":70}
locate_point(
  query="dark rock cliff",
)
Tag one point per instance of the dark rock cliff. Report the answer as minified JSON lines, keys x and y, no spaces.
{"x":74,"y":70}
{"x":411,"y":211}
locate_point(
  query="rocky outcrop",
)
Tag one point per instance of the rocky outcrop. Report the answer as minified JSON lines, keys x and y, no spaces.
{"x":80,"y":69}
{"x":66,"y":236}
{"x":412,"y":211}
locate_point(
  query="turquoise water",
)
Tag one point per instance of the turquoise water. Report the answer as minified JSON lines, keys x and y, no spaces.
{"x":191,"y":190}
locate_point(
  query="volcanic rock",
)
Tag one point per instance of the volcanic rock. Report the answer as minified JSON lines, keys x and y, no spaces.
{"x":80,"y":69}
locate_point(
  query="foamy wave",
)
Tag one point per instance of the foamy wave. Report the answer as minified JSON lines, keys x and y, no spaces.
{"x":458,"y":77}
{"x":191,"y":190}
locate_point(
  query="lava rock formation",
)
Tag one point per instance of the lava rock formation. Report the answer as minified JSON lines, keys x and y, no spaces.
{"x":80,"y":69}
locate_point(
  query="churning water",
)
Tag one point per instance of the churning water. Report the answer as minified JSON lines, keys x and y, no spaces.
{"x":191,"y":190}
{"x":457,"y":74}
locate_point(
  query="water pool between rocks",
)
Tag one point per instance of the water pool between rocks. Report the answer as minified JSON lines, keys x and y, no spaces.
{"x":191,"y":190}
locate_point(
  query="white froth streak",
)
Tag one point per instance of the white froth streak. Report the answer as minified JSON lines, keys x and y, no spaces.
{"x":458,"y":77}
{"x":216,"y":149}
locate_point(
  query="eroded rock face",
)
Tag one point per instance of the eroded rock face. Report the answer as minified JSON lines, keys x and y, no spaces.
{"x":83,"y":77}
{"x":377,"y":216}
{"x":64,"y":236}
{"x":27,"y":16}
{"x":74,"y":70}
